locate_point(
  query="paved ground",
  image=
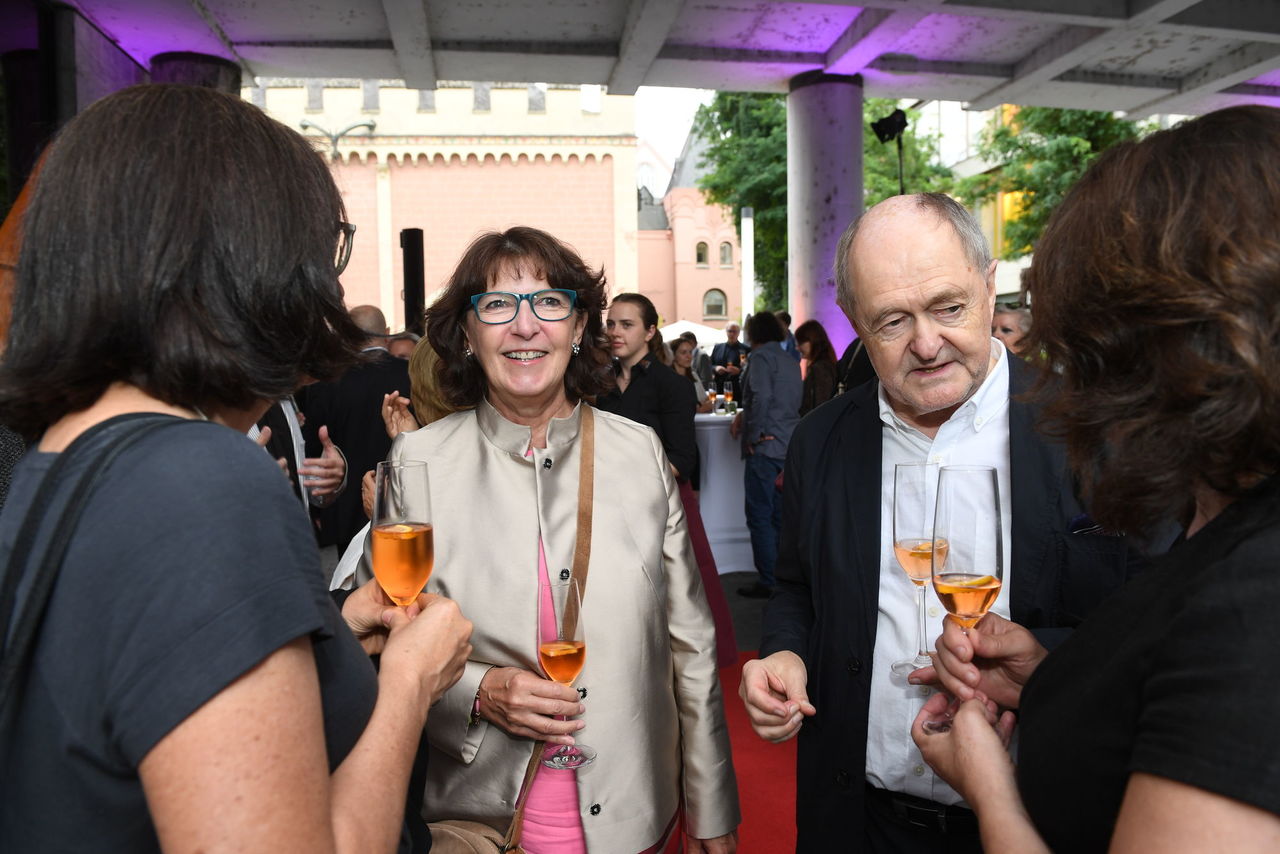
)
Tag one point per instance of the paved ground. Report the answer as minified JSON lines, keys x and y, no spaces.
{"x":748,"y":614}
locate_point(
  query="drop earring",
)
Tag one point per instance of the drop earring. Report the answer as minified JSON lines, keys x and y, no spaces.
{"x":466,"y":351}
{"x":576,"y":348}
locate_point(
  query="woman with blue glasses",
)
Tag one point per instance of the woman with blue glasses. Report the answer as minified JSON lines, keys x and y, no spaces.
{"x":519,"y":334}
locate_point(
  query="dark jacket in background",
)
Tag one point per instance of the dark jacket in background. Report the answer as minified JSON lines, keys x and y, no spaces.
{"x":352,"y":408}
{"x":662,"y":399}
{"x":771,"y":398}
{"x":819,"y":385}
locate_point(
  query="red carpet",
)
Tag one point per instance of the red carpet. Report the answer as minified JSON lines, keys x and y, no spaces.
{"x":766,"y":776}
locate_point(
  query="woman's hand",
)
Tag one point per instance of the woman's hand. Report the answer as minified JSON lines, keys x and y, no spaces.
{"x":525,"y":705}
{"x":364,"y":612}
{"x":726,"y":844}
{"x":995,"y":659}
{"x":428,"y":650}
{"x":972,"y":754}
{"x":396,"y":416}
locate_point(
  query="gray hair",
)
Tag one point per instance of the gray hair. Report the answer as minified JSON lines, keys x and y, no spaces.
{"x":966,"y":227}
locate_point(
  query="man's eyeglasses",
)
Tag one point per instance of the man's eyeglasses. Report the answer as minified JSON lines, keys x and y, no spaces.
{"x":502,"y":307}
{"x":346,"y":237}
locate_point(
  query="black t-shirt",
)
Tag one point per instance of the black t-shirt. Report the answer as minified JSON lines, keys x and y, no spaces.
{"x":193,"y":561}
{"x":660,"y":398}
{"x":1175,"y":676}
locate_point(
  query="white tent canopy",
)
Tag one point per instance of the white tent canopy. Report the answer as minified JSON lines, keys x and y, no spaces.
{"x":708,"y":336}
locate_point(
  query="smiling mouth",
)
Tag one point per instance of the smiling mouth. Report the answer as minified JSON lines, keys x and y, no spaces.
{"x":524,"y":355}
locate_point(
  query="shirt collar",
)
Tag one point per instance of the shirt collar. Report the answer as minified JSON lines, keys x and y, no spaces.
{"x":515,"y":438}
{"x":985,"y":404}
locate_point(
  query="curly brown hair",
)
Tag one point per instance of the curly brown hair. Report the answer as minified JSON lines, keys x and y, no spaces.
{"x":1156,"y":290}
{"x":462,"y":382}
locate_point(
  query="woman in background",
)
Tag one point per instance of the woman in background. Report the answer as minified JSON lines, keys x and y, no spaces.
{"x":682,"y":364}
{"x":1157,"y":294}
{"x":820,"y":377}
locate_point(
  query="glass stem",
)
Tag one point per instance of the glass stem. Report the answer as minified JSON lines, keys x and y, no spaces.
{"x":921,"y":651}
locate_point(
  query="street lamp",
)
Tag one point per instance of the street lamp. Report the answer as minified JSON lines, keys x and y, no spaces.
{"x":334,"y":137}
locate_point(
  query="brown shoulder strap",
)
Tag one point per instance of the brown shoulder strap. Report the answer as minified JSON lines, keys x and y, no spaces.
{"x":581,"y":556}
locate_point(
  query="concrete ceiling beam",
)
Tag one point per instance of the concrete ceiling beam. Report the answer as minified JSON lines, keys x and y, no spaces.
{"x":648,"y":24}
{"x":411,"y":36}
{"x":872,"y":33}
{"x":220,"y":34}
{"x":1236,"y":67}
{"x":1071,"y":47}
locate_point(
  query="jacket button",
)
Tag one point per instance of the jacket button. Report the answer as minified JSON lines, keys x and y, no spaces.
{"x":582,"y":693}
{"x":546,"y":464}
{"x":842,"y":779}
{"x":854,"y":664}
{"x":595,"y":809}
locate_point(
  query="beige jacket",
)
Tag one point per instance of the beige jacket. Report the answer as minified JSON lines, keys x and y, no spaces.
{"x":653,"y":706}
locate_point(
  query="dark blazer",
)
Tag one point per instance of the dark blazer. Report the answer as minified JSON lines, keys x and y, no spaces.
{"x":729,"y":354}
{"x":824,"y":607}
{"x":351,"y":406}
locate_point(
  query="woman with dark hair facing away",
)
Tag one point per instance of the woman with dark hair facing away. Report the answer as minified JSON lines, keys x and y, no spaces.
{"x":771,"y":389}
{"x":820,"y":377}
{"x":647,"y":390}
{"x":187,"y":683}
{"x":517,"y":481}
{"x":1157,"y":294}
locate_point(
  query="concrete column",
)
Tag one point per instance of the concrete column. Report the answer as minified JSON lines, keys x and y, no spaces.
{"x":196,"y":69}
{"x":748,"y":255}
{"x":824,"y":191}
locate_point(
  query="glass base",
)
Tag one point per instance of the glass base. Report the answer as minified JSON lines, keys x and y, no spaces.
{"x":568,"y":756}
{"x":905,"y":668}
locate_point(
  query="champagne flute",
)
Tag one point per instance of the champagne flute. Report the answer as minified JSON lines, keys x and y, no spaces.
{"x":914,"y":544}
{"x":403,"y":538}
{"x":562,"y":651}
{"x":967,"y":575}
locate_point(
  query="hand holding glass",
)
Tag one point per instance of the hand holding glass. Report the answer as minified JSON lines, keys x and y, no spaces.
{"x":562,"y":652}
{"x":914,"y":485}
{"x":967,"y":575}
{"x":403,"y":538}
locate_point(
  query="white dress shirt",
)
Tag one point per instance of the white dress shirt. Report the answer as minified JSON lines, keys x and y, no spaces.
{"x":976,"y":434}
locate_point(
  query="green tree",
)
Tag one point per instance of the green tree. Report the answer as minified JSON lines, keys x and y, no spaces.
{"x":746,"y":136}
{"x":746,"y":162}
{"x":1043,"y":151}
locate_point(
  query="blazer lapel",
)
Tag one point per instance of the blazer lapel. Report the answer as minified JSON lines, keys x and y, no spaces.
{"x":858,"y":445}
{"x":1035,"y":475}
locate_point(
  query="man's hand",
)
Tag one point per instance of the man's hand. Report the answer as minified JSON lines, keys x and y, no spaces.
{"x":970,"y":750}
{"x":773,"y":690}
{"x":732,"y":370}
{"x":995,"y":659}
{"x":264,"y":436}
{"x":735,"y":426}
{"x":324,"y":475}
{"x":367,"y":485}
{"x":526,"y":705}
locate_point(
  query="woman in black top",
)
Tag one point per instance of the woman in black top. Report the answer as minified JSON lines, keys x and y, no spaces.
{"x":1157,"y":299}
{"x":648,"y":391}
{"x":820,"y":377}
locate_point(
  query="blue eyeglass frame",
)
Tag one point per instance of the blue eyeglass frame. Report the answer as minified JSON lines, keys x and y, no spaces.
{"x":519,"y":298}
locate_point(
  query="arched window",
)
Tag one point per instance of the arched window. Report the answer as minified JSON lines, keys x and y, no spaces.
{"x":700,"y":255}
{"x":715,"y":304}
{"x":726,"y":254}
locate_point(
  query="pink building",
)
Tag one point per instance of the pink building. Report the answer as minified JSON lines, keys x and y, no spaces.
{"x":689,"y":258}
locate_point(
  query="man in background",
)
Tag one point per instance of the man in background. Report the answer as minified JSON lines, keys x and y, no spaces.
{"x":728,"y":360}
{"x":351,"y":408}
